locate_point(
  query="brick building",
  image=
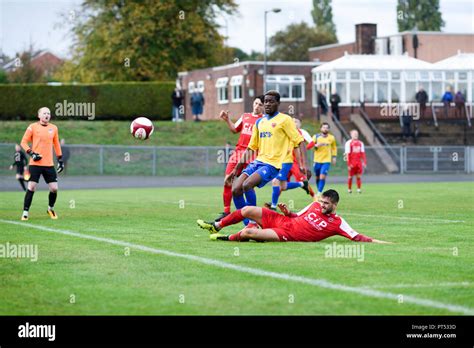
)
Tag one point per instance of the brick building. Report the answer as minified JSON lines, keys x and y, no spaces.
{"x":233,"y":87}
{"x":429,"y":46}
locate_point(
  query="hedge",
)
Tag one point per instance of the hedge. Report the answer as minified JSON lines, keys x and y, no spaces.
{"x":114,"y":100}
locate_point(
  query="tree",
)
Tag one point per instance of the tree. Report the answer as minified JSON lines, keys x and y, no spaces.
{"x":3,"y":76}
{"x":322,"y":17}
{"x":122,"y":40}
{"x":292,"y":44}
{"x":422,"y":14}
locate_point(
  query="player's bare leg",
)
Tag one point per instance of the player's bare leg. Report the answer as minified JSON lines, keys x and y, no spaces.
{"x":28,"y":199}
{"x":259,"y":235}
{"x":53,"y":193}
{"x":359,"y":183}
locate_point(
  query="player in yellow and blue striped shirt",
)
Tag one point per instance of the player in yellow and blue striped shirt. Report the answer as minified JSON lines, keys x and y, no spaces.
{"x":325,"y":152}
{"x":271,"y":137}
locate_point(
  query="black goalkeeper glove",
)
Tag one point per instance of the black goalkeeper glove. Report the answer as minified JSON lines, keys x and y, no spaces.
{"x":60,"y":166}
{"x":36,"y":156}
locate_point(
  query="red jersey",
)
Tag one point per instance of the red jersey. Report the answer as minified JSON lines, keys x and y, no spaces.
{"x":355,"y":152}
{"x":244,"y":125}
{"x":311,"y":225}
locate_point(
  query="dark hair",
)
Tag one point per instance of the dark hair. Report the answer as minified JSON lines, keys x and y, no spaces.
{"x":332,"y":195}
{"x":324,"y":123}
{"x":275,"y":94}
{"x":261,"y":97}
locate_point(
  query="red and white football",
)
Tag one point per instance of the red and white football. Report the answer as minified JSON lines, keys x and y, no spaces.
{"x":141,"y":128}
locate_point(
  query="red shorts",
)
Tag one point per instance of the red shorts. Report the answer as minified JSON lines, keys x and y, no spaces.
{"x":233,"y":160}
{"x":279,"y":223}
{"x":355,"y":170}
{"x":296,"y":172}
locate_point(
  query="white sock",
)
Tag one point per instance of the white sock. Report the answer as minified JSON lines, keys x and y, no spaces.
{"x":25,"y":212}
{"x":50,"y":208}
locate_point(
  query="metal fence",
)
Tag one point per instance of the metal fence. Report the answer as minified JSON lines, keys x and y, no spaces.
{"x":203,"y":161}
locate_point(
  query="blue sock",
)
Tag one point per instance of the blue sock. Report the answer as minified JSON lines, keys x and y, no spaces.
{"x":293,"y":185}
{"x":321,"y":184}
{"x":251,"y":197}
{"x":275,"y":196}
{"x":239,"y":201}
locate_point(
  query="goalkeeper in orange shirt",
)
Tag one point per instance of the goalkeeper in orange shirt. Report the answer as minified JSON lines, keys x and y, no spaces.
{"x":43,"y":136}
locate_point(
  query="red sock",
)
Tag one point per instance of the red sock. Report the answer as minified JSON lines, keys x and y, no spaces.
{"x":235,"y":236}
{"x":359,"y":182}
{"x":349,"y":183}
{"x":227,"y":195}
{"x":233,"y":218}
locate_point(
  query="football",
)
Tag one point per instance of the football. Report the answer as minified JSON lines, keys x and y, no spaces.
{"x":141,"y":128}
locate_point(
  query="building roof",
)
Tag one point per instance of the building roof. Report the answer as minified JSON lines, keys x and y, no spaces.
{"x":254,"y":62}
{"x":461,"y":61}
{"x":374,"y":62}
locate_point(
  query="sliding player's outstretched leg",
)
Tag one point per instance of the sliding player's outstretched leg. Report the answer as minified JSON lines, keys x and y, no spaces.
{"x":249,"y":212}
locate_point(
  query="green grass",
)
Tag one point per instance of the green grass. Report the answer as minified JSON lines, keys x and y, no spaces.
{"x":105,"y":281}
{"x":167,"y":133}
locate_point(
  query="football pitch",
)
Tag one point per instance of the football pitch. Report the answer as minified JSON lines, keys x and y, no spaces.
{"x":140,"y":252}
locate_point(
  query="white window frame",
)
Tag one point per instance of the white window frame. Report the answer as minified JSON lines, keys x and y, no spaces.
{"x":221,"y":86}
{"x":191,"y":87}
{"x":200,"y":86}
{"x":236,"y":84}
{"x":290,"y":80}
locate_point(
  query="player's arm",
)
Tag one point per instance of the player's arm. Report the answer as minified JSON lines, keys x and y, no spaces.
{"x":28,"y":138}
{"x":334,"y":151}
{"x":347,"y":150}
{"x":312,"y":143}
{"x":364,"y":158}
{"x":287,"y":212}
{"x":297,"y":139}
{"x":234,"y":128}
{"x":57,"y":150}
{"x":348,"y":232}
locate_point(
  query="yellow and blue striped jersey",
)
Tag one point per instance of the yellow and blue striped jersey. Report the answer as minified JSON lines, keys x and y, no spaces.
{"x":272,"y":137}
{"x":324,"y":153}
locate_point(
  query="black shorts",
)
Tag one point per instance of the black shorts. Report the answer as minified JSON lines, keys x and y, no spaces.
{"x":49,"y":173}
{"x":20,"y":170}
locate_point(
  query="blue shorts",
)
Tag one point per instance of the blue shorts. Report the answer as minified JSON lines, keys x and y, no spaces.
{"x":283,"y":173}
{"x":321,"y":168}
{"x":266,"y":171}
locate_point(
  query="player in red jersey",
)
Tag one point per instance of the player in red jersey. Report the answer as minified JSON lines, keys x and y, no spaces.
{"x":244,"y":125}
{"x":314,"y":223}
{"x":354,"y":154}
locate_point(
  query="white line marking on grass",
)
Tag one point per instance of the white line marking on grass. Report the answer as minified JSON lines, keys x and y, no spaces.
{"x":321,"y":283}
{"x":432,"y":285}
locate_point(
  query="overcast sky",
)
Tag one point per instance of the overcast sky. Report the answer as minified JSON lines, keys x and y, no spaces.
{"x":36,"y":21}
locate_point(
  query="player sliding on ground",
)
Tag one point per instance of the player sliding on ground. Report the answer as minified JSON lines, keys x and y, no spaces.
{"x":316,"y":222}
{"x":43,"y":136}
{"x":271,"y":137}
{"x":244,"y":125}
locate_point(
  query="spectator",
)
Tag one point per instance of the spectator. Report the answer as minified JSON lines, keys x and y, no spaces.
{"x":335,"y":100}
{"x":197,"y":103}
{"x":421,"y":98}
{"x":447,"y":99}
{"x":406,"y":121}
{"x":322,"y":103}
{"x":66,"y":154}
{"x":460,"y":103}
{"x":177,"y":97}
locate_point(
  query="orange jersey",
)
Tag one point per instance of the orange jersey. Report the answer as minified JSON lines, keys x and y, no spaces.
{"x":42,"y":138}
